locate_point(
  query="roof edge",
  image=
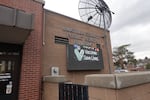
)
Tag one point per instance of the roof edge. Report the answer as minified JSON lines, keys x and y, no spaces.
{"x":40,"y":1}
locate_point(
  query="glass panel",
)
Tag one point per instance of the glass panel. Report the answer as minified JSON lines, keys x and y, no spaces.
{"x":9,"y":66}
{"x":5,"y":76}
{"x":2,"y":66}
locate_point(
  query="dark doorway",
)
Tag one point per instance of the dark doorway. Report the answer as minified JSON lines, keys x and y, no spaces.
{"x":10,"y":62}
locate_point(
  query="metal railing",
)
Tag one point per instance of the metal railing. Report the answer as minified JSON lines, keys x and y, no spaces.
{"x":73,"y":92}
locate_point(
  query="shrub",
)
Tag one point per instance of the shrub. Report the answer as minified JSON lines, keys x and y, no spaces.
{"x":148,"y":66}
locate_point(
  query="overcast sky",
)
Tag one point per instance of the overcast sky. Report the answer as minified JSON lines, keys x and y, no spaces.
{"x":130,"y":23}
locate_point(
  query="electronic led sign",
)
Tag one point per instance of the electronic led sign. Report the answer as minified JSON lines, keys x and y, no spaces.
{"x":81,"y":57}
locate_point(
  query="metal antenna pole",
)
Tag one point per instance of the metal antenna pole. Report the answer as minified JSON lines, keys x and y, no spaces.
{"x":106,"y":43}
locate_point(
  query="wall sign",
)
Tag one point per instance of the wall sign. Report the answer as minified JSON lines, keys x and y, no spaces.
{"x":81,"y":57}
{"x":85,"y":38}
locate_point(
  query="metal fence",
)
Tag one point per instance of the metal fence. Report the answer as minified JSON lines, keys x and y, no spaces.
{"x":73,"y":92}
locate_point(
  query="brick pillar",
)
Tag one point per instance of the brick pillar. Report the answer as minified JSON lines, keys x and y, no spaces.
{"x":30,"y":80}
{"x":30,"y":77}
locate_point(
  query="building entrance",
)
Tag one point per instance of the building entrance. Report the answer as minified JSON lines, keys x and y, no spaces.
{"x":10,"y":61}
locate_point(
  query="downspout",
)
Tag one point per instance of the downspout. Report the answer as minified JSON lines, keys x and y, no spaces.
{"x":43,"y":43}
{"x":106,"y":43}
{"x":43,"y":33}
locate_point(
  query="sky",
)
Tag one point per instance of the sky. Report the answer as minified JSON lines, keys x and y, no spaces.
{"x":130,"y":23}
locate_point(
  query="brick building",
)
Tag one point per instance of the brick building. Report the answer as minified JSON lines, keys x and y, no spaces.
{"x":35,"y":42}
{"x":74,"y":48}
{"x":20,"y":49}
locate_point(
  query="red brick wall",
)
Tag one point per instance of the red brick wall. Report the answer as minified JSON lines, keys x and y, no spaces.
{"x":30,"y":82}
{"x":54,"y":52}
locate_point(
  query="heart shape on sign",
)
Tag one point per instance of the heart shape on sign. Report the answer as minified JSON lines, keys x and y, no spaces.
{"x":79,"y":54}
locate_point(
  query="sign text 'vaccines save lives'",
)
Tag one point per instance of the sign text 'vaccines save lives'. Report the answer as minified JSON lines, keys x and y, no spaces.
{"x":81,"y":57}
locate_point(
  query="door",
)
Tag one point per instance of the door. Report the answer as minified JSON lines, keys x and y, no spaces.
{"x":9,"y":73}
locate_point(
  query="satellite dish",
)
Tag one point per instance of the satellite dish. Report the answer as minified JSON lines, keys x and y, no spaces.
{"x":95,"y":12}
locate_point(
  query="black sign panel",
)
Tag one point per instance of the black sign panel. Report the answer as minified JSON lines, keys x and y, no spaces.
{"x":82,"y":57}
